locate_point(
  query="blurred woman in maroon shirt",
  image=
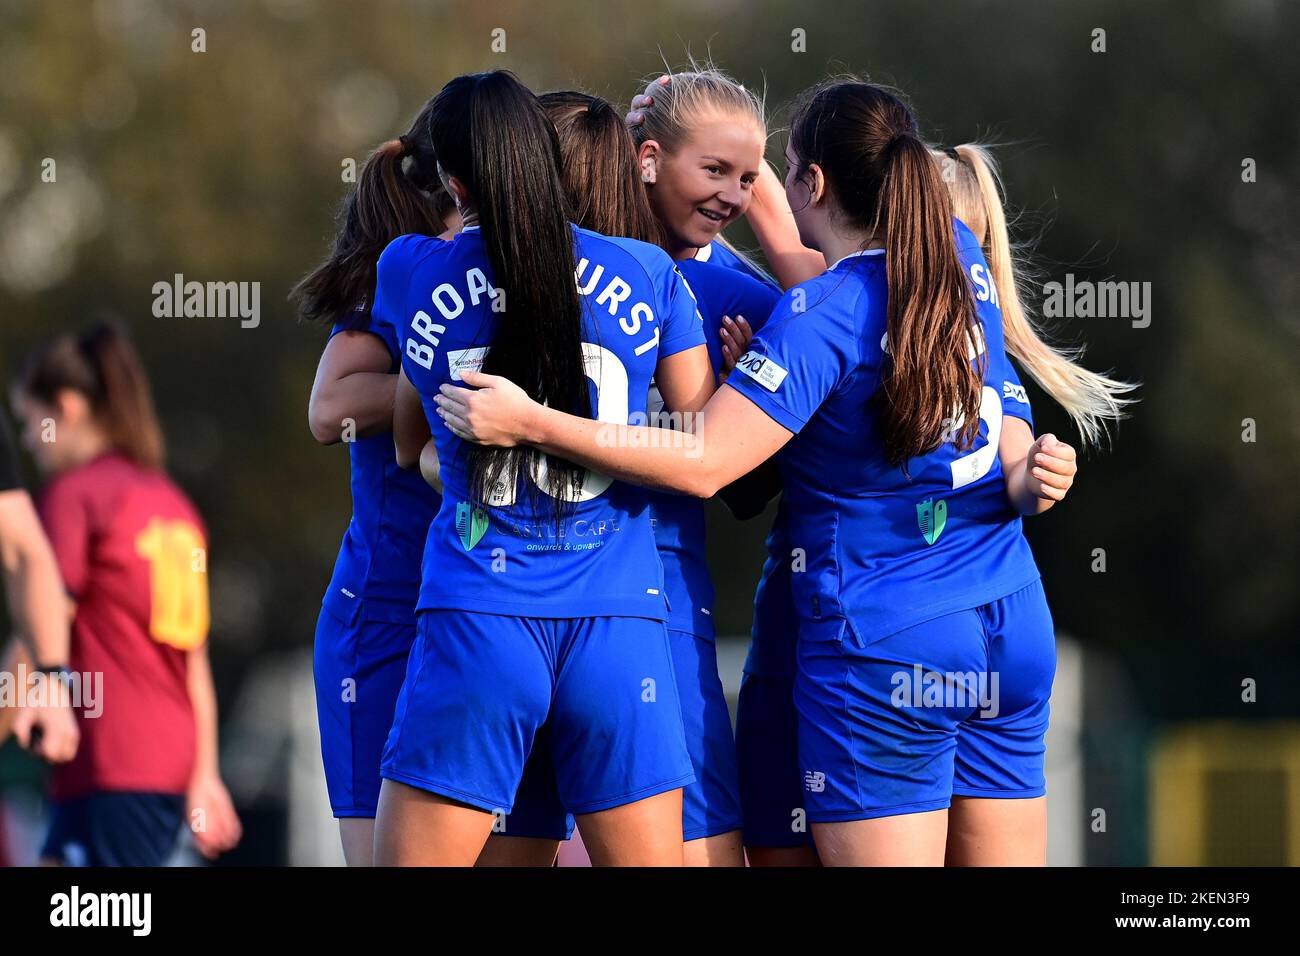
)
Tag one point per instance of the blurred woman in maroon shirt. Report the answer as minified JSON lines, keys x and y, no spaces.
{"x":132,"y":550}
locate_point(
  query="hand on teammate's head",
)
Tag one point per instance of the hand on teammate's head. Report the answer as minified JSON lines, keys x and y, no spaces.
{"x":643,"y":101}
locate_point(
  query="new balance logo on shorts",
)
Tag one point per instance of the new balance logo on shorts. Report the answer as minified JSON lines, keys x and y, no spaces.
{"x":814,"y":781}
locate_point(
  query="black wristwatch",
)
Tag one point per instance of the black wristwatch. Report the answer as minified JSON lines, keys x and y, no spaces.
{"x":60,"y":671}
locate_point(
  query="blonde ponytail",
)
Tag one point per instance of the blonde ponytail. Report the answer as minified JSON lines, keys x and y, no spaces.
{"x":1091,"y":400}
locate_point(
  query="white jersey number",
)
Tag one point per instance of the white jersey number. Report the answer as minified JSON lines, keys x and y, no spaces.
{"x":609,"y":374}
{"x":976,"y":464}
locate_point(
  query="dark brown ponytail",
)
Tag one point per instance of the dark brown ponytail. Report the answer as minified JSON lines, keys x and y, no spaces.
{"x":386,"y":203}
{"x":102,"y":365}
{"x":881,"y":173}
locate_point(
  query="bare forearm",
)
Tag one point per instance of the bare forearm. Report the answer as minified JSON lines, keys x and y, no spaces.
{"x":430,"y":469}
{"x":363,"y":399}
{"x":1019,"y":493}
{"x":15,"y":655}
{"x":773,"y":223}
{"x":792,"y":262}
{"x":203,"y":699}
{"x":33,"y":586}
{"x":651,"y":457}
{"x":45,"y":618}
{"x":732,"y":436}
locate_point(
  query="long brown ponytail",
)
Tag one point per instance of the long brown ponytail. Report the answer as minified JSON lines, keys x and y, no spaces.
{"x":865,"y":140}
{"x":102,"y":365}
{"x":600,"y":175}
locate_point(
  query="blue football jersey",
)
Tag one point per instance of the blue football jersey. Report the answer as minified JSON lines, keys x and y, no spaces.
{"x":502,"y":558}
{"x":679,"y":521}
{"x":721,"y":290}
{"x":884,"y":549}
{"x":377,"y":573}
{"x":775,"y":630}
{"x":718,"y":254}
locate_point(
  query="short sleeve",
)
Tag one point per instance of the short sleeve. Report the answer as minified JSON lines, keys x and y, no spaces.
{"x":1015,"y":401}
{"x":65,"y":513}
{"x":795,"y":363}
{"x":358,"y":320}
{"x":680,"y":325}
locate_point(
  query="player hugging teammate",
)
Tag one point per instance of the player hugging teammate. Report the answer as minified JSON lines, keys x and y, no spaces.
{"x":504,"y":347}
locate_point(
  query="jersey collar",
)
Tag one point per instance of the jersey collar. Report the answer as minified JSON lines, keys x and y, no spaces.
{"x":854,"y":255}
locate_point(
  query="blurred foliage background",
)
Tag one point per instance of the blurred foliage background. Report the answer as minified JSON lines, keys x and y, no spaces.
{"x":225,"y":165}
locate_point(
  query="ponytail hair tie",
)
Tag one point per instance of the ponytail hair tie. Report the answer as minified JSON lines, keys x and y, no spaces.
{"x":895,"y":140}
{"x":406,"y":144}
{"x":952,"y":151}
